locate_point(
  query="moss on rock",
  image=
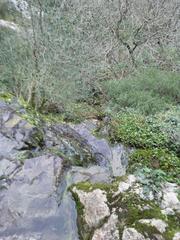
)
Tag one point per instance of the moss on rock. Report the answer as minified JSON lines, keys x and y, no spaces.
{"x":157,"y":159}
{"x":129,"y":208}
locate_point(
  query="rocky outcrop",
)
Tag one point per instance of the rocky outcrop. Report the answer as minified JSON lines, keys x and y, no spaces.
{"x":99,"y":147}
{"x":28,"y":185}
{"x":93,"y":174}
{"x":79,"y":141}
{"x":129,"y":215}
{"x":119,"y":160}
{"x":170,"y":202}
{"x":47,"y":172}
{"x":125,"y":185}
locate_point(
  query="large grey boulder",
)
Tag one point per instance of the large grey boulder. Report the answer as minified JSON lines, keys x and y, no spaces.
{"x":32,"y":193}
{"x":78,"y":141}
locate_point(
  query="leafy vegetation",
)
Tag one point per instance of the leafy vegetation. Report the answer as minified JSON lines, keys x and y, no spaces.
{"x":162,"y":161}
{"x":151,"y":180}
{"x":169,"y":123}
{"x":148,"y":91}
{"x":136,"y":130}
{"x":157,"y":140}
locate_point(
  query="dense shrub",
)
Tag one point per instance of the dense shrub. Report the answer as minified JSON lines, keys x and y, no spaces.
{"x":148,"y":91}
{"x":169,"y":123}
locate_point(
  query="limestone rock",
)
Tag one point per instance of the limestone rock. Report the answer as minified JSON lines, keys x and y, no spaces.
{"x":7,"y":146}
{"x":13,"y":121}
{"x":22,"y":237}
{"x":157,"y":223}
{"x":168,"y":211}
{"x":95,"y":205}
{"x":126,"y":185}
{"x":119,"y":160}
{"x":17,"y":131}
{"x":138,"y":189}
{"x":170,"y":197}
{"x":177,"y":236}
{"x":108,"y":231}
{"x":158,"y":237}
{"x":132,"y":234}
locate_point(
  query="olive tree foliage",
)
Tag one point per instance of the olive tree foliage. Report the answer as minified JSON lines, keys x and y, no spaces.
{"x":66,"y":47}
{"x":142,"y":31}
{"x":57,"y":56}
